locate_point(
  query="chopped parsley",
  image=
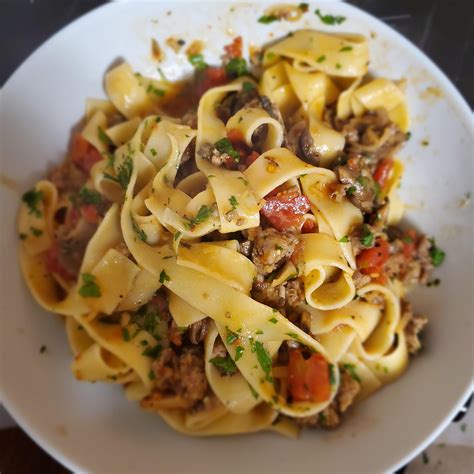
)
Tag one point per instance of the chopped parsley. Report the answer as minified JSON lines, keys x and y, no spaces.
{"x":254,"y":392}
{"x":36,"y":232}
{"x":273,"y":320}
{"x":407,"y":136}
{"x":151,"y":89}
{"x":266,"y":19}
{"x":263,"y":356}
{"x":176,"y":235}
{"x":153,"y":151}
{"x":425,"y":143}
{"x":89,"y":196}
{"x":164,"y":276}
{"x":248,"y":86}
{"x":351,"y":369}
{"x":42,"y":349}
{"x":22,"y":236}
{"x":321,"y":59}
{"x":231,"y":336}
{"x":225,"y":365}
{"x":437,"y":255}
{"x":239,"y":351}
{"x":225,"y":146}
{"x":344,"y":239}
{"x":259,"y":332}
{"x":151,"y":375}
{"x":141,"y":234}
{"x":338,"y":66}
{"x":158,"y":119}
{"x":303,"y":7}
{"x":202,"y":215}
{"x":32,"y":198}
{"x":197,"y":60}
{"x":351,"y":190}
{"x":270,"y":56}
{"x":345,"y":49}
{"x":124,"y":173}
{"x":89,"y":288}
{"x":233,"y":202}
{"x":425,"y":457}
{"x":125,"y":334}
{"x":103,"y":137}
{"x":332,"y":375}
{"x":153,"y":352}
{"x":236,"y":67}
{"x":330,"y":19}
{"x":367,"y":237}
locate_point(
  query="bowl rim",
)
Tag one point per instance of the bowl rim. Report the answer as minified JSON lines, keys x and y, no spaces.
{"x":451,"y":94}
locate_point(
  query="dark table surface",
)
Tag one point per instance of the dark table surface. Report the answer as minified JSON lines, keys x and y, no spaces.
{"x":442,"y":29}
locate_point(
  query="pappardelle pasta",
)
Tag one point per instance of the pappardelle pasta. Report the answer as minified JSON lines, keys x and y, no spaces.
{"x":227,"y":249}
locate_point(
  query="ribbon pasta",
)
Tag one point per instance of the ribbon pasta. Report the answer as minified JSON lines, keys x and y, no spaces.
{"x":182,"y":238}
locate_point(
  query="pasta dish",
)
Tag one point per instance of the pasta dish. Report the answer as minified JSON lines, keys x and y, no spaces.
{"x":227,"y":248}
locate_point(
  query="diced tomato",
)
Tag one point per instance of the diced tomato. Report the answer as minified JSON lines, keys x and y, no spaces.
{"x":83,"y":154}
{"x":237,"y":139}
{"x":53,"y":264}
{"x":234,"y":50}
{"x":251,"y":158}
{"x":285,"y":210}
{"x":308,"y":380}
{"x":383,"y":171}
{"x":211,"y":77}
{"x":371,"y":261}
{"x":73,"y":216}
{"x":409,"y":243}
{"x":309,"y":227}
{"x":382,"y":279}
{"x":90,"y":213}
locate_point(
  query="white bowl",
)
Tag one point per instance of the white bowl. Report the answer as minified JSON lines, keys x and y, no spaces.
{"x":92,"y":427}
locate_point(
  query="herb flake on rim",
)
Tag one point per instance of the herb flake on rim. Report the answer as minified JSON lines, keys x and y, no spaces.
{"x":89,"y":288}
{"x":32,"y":198}
{"x":330,"y":19}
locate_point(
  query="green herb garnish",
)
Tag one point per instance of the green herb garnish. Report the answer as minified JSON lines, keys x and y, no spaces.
{"x":22,"y":236}
{"x":367,"y":237}
{"x":89,"y":196}
{"x":351,"y":190}
{"x":197,"y":60}
{"x":266,"y":19}
{"x":124,"y":173}
{"x":233,"y":202}
{"x":141,"y":234}
{"x":153,"y":352}
{"x":303,"y":7}
{"x":248,"y":86}
{"x":151,"y":89}
{"x":321,"y":59}
{"x":89,"y":288}
{"x":345,"y":49}
{"x":351,"y":369}
{"x":330,"y":19}
{"x":202,"y":215}
{"x":263,"y":356}
{"x":437,"y":255}
{"x":231,"y":336}
{"x":239,"y":352}
{"x":164,"y":276}
{"x":273,"y":320}
{"x":344,"y":239}
{"x":236,"y":67}
{"x":254,"y":392}
{"x":225,"y":146}
{"x":103,"y":137}
{"x":125,"y":334}
{"x":225,"y":364}
{"x":332,"y":375}
{"x":32,"y":198}
{"x":36,"y":232}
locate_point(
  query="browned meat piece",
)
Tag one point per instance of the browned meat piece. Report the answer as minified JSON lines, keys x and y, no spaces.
{"x":301,"y":143}
{"x":263,"y":292}
{"x":182,"y":374}
{"x":371,"y":133}
{"x":271,"y":248}
{"x":246,"y":248}
{"x":197,"y":331}
{"x":294,"y":293}
{"x":72,"y":244}
{"x":359,"y":184}
{"x":360,"y":280}
{"x":67,"y":177}
{"x":235,"y":101}
{"x":190,"y":119}
{"x":414,"y":326}
{"x":331,"y":416}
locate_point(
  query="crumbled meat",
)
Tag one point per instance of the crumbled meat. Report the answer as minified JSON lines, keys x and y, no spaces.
{"x":271,"y":248}
{"x":331,"y":416}
{"x":219,"y":349}
{"x":210,"y":153}
{"x":198,"y":330}
{"x":263,"y":292}
{"x":413,"y":269}
{"x":360,"y":280}
{"x":415,"y":324}
{"x":294,"y":293}
{"x":182,"y":374}
{"x":190,"y":119}
{"x":371,"y":133}
{"x":67,"y":177}
{"x":301,"y":143}
{"x":246,"y":248}
{"x":356,"y":238}
{"x":374,"y":297}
